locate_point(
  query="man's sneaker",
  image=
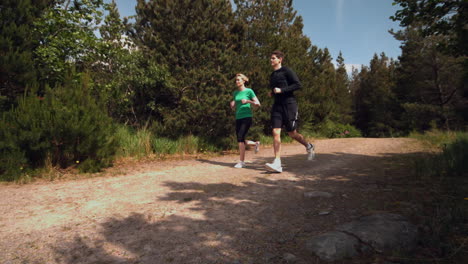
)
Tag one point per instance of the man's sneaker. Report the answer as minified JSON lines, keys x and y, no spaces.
{"x":257,"y":147}
{"x":310,"y":151}
{"x":239,"y":165}
{"x":275,"y":166}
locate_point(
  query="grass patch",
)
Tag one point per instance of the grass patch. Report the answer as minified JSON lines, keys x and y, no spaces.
{"x":442,"y":189}
{"x":437,"y":138}
{"x":143,"y":143}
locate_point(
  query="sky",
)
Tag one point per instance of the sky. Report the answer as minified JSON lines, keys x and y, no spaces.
{"x":357,"y":28}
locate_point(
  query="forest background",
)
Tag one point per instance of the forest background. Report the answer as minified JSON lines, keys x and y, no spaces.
{"x":161,"y":82}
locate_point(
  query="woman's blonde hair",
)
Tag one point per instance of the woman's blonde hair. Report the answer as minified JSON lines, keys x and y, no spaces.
{"x":243,"y":77}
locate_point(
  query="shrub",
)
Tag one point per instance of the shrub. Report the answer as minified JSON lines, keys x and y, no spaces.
{"x":330,"y":129}
{"x":455,"y":157}
{"x":451,"y":161}
{"x":66,"y":124}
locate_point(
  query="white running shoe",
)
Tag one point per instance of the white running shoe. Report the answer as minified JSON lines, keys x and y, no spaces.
{"x":310,"y":151}
{"x":275,"y":166}
{"x":239,"y":165}
{"x":257,"y":147}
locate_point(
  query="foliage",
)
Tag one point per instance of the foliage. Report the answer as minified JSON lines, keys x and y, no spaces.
{"x":451,"y":157}
{"x":66,"y":125}
{"x":342,"y":94}
{"x":260,"y":35}
{"x":376,"y":107}
{"x":133,"y":143}
{"x":331,"y":129}
{"x":442,"y":25}
{"x":67,"y":38}
{"x":17,"y":44}
{"x":444,"y":179}
{"x":439,"y":17}
{"x":429,"y":83}
{"x":194,"y":40}
{"x":455,"y":156}
{"x":139,"y":143}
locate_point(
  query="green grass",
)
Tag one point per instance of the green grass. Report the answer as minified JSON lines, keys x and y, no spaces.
{"x":450,"y":157}
{"x":443,"y":174}
{"x":143,"y":143}
{"x":437,"y":138}
{"x":133,"y":143}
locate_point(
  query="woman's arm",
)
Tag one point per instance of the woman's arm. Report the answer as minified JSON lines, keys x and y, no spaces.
{"x":254,"y":101}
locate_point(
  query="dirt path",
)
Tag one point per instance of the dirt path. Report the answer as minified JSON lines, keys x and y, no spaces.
{"x":203,"y":210}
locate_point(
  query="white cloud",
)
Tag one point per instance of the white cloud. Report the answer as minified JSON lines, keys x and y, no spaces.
{"x":339,"y":14}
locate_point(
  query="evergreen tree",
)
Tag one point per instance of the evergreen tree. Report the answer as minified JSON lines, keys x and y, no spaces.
{"x":66,"y":126}
{"x":443,"y":21}
{"x":324,"y":92}
{"x":195,"y":41}
{"x":343,"y":99}
{"x":18,"y":40}
{"x":129,"y":82}
{"x":429,"y":82}
{"x":376,"y":105}
{"x":439,"y":18}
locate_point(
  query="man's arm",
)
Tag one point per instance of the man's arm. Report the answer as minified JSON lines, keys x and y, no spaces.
{"x":293,"y":82}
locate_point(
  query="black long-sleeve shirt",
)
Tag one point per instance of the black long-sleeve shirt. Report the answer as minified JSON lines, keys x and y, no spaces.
{"x":287,"y":80}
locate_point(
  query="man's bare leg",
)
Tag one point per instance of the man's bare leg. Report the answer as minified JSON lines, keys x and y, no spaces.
{"x":298,"y":137}
{"x":277,"y":142}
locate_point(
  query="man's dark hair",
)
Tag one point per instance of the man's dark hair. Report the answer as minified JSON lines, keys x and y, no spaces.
{"x":278,"y":54}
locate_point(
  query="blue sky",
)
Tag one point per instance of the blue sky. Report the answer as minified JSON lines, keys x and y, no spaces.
{"x":357,"y":28}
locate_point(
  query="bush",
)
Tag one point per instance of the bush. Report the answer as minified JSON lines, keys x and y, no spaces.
{"x":455,"y":157}
{"x":451,"y":161}
{"x":330,"y":129}
{"x":65,"y":125}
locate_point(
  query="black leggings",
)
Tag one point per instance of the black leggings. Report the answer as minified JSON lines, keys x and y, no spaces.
{"x":242,"y":127}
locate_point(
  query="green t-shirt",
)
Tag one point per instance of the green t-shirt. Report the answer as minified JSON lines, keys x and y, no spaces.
{"x":243,"y":110}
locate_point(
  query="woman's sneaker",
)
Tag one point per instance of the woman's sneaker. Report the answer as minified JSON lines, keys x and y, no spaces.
{"x":310,"y":151}
{"x":257,"y":147}
{"x":239,"y":165}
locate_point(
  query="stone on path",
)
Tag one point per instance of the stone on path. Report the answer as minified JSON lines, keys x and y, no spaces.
{"x":383,"y":232}
{"x":333,"y":245}
{"x":314,"y":194}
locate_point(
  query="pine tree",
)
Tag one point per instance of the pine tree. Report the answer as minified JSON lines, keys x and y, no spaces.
{"x":429,"y":82}
{"x":325,"y":90}
{"x":18,"y":39}
{"x":343,"y":98}
{"x":442,"y":22}
{"x":376,"y":104}
{"x":66,"y":126}
{"x":195,"y":41}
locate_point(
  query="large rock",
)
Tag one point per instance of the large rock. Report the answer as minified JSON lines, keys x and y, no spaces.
{"x":380,"y":232}
{"x":383,"y":232}
{"x":333,"y":245}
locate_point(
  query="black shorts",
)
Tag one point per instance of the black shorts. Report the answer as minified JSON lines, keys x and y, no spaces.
{"x":242,"y":127}
{"x":285,"y":115}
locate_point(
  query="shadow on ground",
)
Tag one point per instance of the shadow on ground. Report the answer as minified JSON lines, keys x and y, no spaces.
{"x":254,"y":222}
